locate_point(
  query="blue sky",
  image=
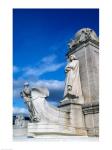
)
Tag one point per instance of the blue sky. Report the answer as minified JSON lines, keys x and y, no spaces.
{"x":40,"y":38}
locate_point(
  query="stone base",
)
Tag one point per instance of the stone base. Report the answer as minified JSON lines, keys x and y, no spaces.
{"x":37,"y":129}
{"x":93,"y":132}
{"x":91,"y":116}
{"x":20,"y":132}
{"x":65,"y":105}
{"x":71,"y":101}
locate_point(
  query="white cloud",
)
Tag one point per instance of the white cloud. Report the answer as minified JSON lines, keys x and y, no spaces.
{"x":17,"y":110}
{"x":18,"y":82}
{"x":15,"y":69}
{"x":17,"y":87}
{"x":16,"y":93}
{"x":42,"y":69}
{"x":48,"y":59}
{"x":46,"y":64}
{"x":50,"y":84}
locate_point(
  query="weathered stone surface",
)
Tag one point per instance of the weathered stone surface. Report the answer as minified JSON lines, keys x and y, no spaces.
{"x":35,"y":129}
{"x":82,"y":36}
{"x":20,"y":132}
{"x":92,"y":124}
{"x":90,"y":108}
{"x":86,"y":49}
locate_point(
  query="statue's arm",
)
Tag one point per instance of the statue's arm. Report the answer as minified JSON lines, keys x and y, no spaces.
{"x":75,"y":64}
{"x":67,"y":69}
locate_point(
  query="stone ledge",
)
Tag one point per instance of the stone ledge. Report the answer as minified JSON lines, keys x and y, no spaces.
{"x":35,"y":129}
{"x":69,"y":102}
{"x":83,"y":44}
{"x":93,"y":132}
{"x":90,"y":108}
{"x":17,"y":132}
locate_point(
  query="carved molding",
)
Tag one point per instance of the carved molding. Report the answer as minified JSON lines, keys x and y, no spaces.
{"x":82,"y":36}
{"x":91,"y":108}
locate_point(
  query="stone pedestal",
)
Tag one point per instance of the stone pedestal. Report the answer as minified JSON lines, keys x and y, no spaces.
{"x":91,"y":116}
{"x":20,"y":132}
{"x":76,"y":118}
{"x":37,"y":129}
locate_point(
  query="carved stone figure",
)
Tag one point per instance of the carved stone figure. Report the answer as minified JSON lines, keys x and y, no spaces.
{"x":26,"y":94}
{"x":19,"y":121}
{"x":83,"y":35}
{"x":26,"y":91}
{"x":71,"y":43}
{"x":72,"y":83}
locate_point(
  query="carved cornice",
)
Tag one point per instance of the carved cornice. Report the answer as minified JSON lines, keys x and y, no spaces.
{"x":90,"y":108}
{"x":83,"y":36}
{"x":80,"y":47}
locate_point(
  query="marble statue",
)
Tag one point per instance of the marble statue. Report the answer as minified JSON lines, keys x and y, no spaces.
{"x":72,"y":83}
{"x":19,"y":121}
{"x":81,"y":36}
{"x":26,"y":94}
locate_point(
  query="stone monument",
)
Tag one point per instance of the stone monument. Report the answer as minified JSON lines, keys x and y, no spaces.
{"x":85,"y":46}
{"x":77,"y":113}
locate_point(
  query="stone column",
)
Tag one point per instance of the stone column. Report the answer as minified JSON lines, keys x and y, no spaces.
{"x":76,"y":116}
{"x":85,"y":46}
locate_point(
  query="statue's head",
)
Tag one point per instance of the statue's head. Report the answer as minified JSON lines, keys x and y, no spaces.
{"x":72,"y":57}
{"x":26,"y":84}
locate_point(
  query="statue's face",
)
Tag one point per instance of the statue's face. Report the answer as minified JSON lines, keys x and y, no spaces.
{"x":71,"y":57}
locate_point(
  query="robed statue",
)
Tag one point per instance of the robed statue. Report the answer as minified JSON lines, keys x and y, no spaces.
{"x":72,"y":82}
{"x":26,"y":94}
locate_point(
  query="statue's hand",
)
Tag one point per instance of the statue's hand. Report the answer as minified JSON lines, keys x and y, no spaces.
{"x":69,"y":88}
{"x":67,"y":69}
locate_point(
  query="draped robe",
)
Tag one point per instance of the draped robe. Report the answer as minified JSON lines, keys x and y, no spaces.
{"x":72,"y":79}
